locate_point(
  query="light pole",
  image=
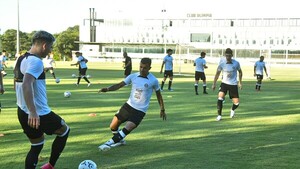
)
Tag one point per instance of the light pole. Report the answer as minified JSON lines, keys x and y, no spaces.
{"x":18,"y":29}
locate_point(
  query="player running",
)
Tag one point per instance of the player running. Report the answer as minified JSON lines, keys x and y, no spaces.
{"x":200,"y":65}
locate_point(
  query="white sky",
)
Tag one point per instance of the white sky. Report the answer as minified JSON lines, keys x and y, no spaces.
{"x":57,"y":15}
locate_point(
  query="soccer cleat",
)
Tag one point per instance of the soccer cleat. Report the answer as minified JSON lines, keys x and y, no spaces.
{"x":197,"y":93}
{"x":231,"y":114}
{"x":171,"y":90}
{"x":104,"y":147}
{"x":219,"y":117}
{"x":205,"y":93}
{"x":120,"y":143}
{"x":89,"y":84}
{"x":76,"y":84}
{"x":47,"y":166}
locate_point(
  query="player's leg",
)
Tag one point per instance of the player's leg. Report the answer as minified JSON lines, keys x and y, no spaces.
{"x":54,"y":124}
{"x":79,"y":77}
{"x":203,"y":78}
{"x":221,"y":95}
{"x":259,"y":81}
{"x":196,"y":82}
{"x":234,"y":95}
{"x":52,"y":72}
{"x":170,"y":80}
{"x":163,"y":81}
{"x":36,"y":138}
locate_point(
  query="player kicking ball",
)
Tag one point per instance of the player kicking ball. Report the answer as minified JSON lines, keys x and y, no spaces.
{"x":134,"y":110}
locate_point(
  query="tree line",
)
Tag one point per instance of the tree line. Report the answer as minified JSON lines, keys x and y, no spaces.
{"x":62,"y":48}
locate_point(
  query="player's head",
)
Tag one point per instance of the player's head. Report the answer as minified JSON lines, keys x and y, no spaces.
{"x":125,"y":54}
{"x":228,"y":54}
{"x":261,"y":58}
{"x":4,"y":52}
{"x":77,"y":54}
{"x":42,"y":41}
{"x":145,"y":66}
{"x":203,"y":54}
{"x":169,"y":51}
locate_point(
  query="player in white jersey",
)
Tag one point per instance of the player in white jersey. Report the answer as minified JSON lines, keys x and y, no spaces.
{"x":48,"y":64}
{"x":229,"y":83}
{"x":81,"y":61}
{"x":200,"y":65}
{"x":134,"y":110}
{"x":34,"y":114}
{"x":168,"y":62}
{"x":3,"y":59}
{"x":259,"y":68}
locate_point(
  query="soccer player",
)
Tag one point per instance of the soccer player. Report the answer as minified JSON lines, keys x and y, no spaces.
{"x":168,"y":61}
{"x":127,"y":64}
{"x":259,"y":68}
{"x":34,"y":114}
{"x":134,"y":110}
{"x":81,"y":61}
{"x":3,"y":59}
{"x":229,"y":83}
{"x":48,"y":64}
{"x":200,"y":65}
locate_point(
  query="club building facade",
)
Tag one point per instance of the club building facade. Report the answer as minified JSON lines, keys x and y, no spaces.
{"x":107,"y":38}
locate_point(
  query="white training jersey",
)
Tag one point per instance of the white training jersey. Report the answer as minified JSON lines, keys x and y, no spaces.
{"x":229,"y":72}
{"x":141,"y":91}
{"x":48,"y":62}
{"x":34,"y":66}
{"x":81,"y":61}
{"x":168,"y":62}
{"x":259,"y":67}
{"x":199,"y":64}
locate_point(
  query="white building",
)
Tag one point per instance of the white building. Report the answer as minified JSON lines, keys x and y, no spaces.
{"x":276,"y":38}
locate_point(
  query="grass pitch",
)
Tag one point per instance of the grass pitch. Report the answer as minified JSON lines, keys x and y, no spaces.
{"x":263,"y":135}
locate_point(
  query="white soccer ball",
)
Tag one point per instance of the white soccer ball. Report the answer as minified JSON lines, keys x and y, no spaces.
{"x":67,"y":94}
{"x":57,"y":80}
{"x":73,"y":75}
{"x":87,"y":164}
{"x":88,"y":76}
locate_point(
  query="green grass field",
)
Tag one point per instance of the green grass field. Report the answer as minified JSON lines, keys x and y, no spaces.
{"x":263,"y":135}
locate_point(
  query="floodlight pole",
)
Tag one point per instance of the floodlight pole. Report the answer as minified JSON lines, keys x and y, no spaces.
{"x":18,"y":29}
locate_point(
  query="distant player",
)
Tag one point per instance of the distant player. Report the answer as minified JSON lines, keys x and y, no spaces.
{"x":168,"y":62}
{"x":200,"y":65}
{"x":81,"y":61}
{"x":3,"y":59}
{"x":229,"y":83}
{"x":48,"y":64}
{"x":259,"y":68}
{"x":134,"y":110}
{"x":127,"y":64}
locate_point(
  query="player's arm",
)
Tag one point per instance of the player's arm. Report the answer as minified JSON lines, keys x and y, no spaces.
{"x":1,"y":84}
{"x":75,"y":64}
{"x":160,"y":100}
{"x":113,"y":87}
{"x":240,"y":78}
{"x":162,"y":66}
{"x":27,"y":86}
{"x":254,"y":70}
{"x":215,"y":79}
{"x":205,"y":67}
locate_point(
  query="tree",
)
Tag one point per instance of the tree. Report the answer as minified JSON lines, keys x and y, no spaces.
{"x":65,"y":43}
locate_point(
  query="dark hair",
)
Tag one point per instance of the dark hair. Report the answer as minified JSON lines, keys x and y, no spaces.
{"x":228,"y":51}
{"x":169,"y":50}
{"x":42,"y":36}
{"x":146,"y":61}
{"x":3,"y":50}
{"x":203,"y":54}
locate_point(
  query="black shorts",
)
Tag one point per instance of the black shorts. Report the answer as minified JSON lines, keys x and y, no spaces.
{"x":48,"y":124}
{"x":127,"y":71}
{"x":259,"y":77}
{"x":82,"y":71}
{"x":200,"y":75}
{"x":232,"y":89}
{"x":128,"y":113}
{"x":168,"y":73}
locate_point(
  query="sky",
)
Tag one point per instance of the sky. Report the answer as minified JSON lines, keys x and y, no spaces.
{"x":56,"y":16}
